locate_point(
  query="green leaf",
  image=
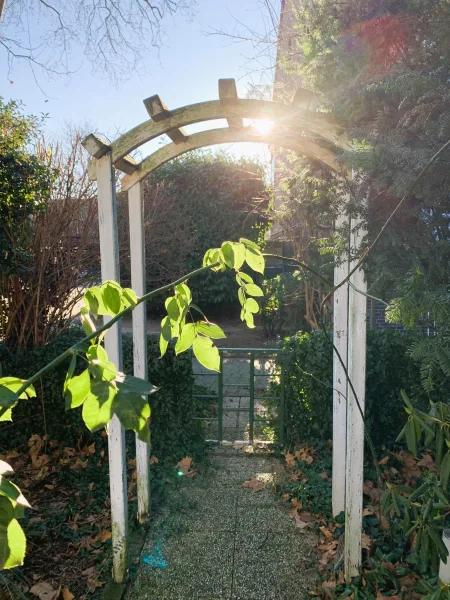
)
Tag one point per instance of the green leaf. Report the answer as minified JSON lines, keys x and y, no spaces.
{"x":227,"y":253}
{"x":248,"y":317}
{"x":241,"y":296}
{"x":206,"y":354}
{"x":129,"y":297}
{"x":211,"y":256}
{"x":249,"y":244}
{"x":411,"y":440}
{"x":184,"y":291}
{"x":166,"y":334}
{"x":9,"y":386}
{"x":6,"y":413}
{"x":242,"y":277}
{"x":210,"y":330}
{"x":133,"y":412}
{"x":255,"y":260}
{"x":12,"y":538}
{"x":251,"y":306}
{"x":445,"y":471}
{"x":92,"y":300}
{"x":12,"y":492}
{"x":97,"y":408}
{"x":100,"y":365}
{"x":77,"y":389}
{"x":253,"y":290}
{"x":127,"y":384}
{"x":186,"y":338}
{"x":112,"y":297}
{"x":173,"y":309}
{"x":97,"y":352}
{"x":234,"y":254}
{"x":70,"y":371}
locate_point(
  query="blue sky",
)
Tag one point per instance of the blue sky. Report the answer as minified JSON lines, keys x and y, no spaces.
{"x":186,"y":71}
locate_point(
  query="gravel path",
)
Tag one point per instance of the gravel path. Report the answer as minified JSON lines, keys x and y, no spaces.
{"x":221,"y":541}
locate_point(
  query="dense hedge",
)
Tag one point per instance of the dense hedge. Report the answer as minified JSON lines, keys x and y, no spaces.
{"x":206,"y":199}
{"x":308,"y":385}
{"x":174,"y":433}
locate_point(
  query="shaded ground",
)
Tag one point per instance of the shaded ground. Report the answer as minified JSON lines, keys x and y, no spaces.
{"x":226,"y":542}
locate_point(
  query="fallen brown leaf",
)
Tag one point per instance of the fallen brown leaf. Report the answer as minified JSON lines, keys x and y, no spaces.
{"x":254,"y":484}
{"x":366,"y":542}
{"x":427,"y":462}
{"x":154,"y":460}
{"x":66,"y":594}
{"x":185,"y":465}
{"x":44,"y":591}
{"x":326,"y":532}
{"x":290,"y":460}
{"x":384,"y":460}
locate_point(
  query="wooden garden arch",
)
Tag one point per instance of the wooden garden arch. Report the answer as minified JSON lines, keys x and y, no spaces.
{"x":297,"y":129}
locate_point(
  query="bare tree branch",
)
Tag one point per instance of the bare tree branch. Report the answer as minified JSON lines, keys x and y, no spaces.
{"x":115,"y":36}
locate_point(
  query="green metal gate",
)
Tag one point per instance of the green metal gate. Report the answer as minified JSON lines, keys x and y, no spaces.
{"x":254,"y":377}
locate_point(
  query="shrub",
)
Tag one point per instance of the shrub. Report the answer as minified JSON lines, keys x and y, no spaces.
{"x":174,"y":433}
{"x":309,"y":377}
{"x":192,"y":204}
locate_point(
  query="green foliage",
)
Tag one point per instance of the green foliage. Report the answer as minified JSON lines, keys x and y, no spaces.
{"x":313,"y":491}
{"x":100,"y":389}
{"x":279,"y":291}
{"x":200,"y":334}
{"x":422,"y":511}
{"x":12,"y":537}
{"x":222,"y":198}
{"x":25,"y":181}
{"x":426,"y":307}
{"x":381,"y":71}
{"x":308,"y":387}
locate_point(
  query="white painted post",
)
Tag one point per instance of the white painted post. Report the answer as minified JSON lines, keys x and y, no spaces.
{"x":357,"y":330}
{"x":340,"y":327}
{"x":137,"y":254}
{"x":109,"y":253}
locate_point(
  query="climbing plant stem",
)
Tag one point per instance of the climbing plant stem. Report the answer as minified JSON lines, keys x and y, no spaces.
{"x":73,"y":349}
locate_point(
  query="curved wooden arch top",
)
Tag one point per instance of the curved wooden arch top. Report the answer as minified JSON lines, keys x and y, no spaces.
{"x":226,"y":135}
{"x":296,"y":118}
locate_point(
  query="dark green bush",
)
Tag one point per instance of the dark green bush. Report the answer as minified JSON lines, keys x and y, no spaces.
{"x":308,"y":385}
{"x":174,"y":433}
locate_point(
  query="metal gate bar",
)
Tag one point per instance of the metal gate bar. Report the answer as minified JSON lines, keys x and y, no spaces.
{"x":252,"y":354}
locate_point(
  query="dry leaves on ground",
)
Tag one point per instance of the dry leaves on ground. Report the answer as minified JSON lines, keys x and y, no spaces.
{"x":44,"y":591}
{"x":185,"y":467}
{"x":254,"y":484}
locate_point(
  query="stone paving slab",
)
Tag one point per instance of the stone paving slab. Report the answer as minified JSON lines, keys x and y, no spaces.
{"x":231,"y":544}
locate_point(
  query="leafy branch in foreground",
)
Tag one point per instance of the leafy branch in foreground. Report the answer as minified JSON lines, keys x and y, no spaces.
{"x":100,"y":389}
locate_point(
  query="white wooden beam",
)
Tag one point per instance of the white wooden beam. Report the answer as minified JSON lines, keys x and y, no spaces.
{"x":109,"y":253}
{"x":98,"y":147}
{"x":158,"y":111}
{"x":228,"y":95}
{"x":357,"y":333}
{"x":340,"y":338}
{"x":225,"y":135}
{"x":137,"y":254}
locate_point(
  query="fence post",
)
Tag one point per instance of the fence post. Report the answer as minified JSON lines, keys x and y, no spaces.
{"x":140,"y":362}
{"x":340,"y":338}
{"x":357,"y":333}
{"x":109,"y":253}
